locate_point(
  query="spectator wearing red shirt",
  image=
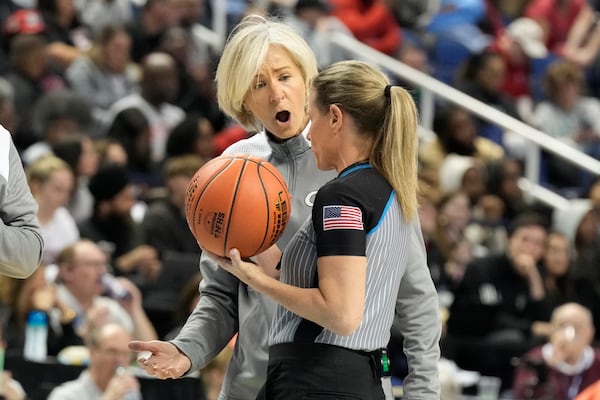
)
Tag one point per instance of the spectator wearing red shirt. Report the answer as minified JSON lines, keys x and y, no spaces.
{"x":371,"y":22}
{"x":521,"y":42}
{"x":556,"y":18}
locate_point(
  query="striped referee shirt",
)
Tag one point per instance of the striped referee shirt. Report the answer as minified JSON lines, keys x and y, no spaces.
{"x":356,"y":214}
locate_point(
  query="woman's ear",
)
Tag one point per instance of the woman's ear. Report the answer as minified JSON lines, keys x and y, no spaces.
{"x":335,"y":116}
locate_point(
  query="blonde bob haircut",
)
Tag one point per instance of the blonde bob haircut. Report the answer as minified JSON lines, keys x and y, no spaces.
{"x":385,"y":114}
{"x":42,"y":168}
{"x":244,"y":55}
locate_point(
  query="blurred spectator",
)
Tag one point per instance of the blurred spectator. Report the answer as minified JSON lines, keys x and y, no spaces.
{"x":460,"y":255}
{"x":147,"y":29}
{"x":29,"y":77}
{"x":111,"y":151}
{"x":486,"y":232}
{"x":194,"y":135}
{"x":51,"y":181}
{"x":192,"y":13}
{"x":456,"y":253}
{"x":112,"y":224}
{"x":79,"y":152}
{"x":106,"y":376}
{"x":579,"y":222}
{"x":131,"y":129}
{"x":105,"y":71}
{"x":463,"y":173}
{"x":566,"y":364}
{"x":569,"y":116}
{"x":99,"y":14}
{"x":81,"y":284}
{"x":557,"y":269}
{"x":68,"y":39}
{"x":56,"y":115}
{"x":18,"y":21}
{"x":428,"y":217}
{"x":195,"y":65}
{"x":557,"y":274}
{"x":503,"y":181}
{"x":483,"y":78}
{"x":519,"y":44}
{"x":371,"y":22}
{"x":313,"y":20}
{"x":498,"y":301}
{"x":159,"y":86}
{"x":557,"y":18}
{"x":455,"y":134}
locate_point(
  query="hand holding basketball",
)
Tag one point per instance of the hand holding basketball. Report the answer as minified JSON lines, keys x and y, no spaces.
{"x":237,"y":201}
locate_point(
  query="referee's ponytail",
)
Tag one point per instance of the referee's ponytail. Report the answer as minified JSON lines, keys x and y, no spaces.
{"x":385,"y":114}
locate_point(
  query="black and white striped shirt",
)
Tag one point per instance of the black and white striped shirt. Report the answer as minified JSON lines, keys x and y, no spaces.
{"x":356,"y":214}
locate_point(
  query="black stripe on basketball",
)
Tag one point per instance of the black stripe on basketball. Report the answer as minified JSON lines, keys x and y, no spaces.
{"x":232,"y":205}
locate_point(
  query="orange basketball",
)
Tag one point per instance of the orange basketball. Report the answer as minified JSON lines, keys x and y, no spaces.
{"x":237,"y":201}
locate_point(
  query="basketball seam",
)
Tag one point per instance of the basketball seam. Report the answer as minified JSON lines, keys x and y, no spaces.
{"x":262,"y":184}
{"x":232,"y":204}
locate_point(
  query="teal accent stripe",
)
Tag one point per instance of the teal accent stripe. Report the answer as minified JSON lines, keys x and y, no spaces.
{"x":385,"y":210}
{"x":355,"y":168}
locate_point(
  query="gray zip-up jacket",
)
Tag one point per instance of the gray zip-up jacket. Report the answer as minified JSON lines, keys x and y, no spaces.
{"x":227,"y":306}
{"x":21,"y":240}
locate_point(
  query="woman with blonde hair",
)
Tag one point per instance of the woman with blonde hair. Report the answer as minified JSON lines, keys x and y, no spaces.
{"x":51,"y":182}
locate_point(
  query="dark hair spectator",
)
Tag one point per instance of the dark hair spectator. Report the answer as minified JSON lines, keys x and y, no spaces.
{"x":80,"y":153}
{"x":194,"y":135}
{"x":132,"y":129}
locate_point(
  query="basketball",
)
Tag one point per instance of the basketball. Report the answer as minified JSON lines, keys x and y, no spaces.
{"x":237,"y":201}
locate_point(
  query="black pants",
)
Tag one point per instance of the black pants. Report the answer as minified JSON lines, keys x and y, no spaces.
{"x":309,"y":371}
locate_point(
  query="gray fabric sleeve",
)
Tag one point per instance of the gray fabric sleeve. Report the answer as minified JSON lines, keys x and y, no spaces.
{"x":418,"y":322}
{"x":214,"y":321}
{"x":21,"y":240}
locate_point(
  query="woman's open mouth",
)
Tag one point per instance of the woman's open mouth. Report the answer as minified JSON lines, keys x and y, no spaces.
{"x":283,"y":116}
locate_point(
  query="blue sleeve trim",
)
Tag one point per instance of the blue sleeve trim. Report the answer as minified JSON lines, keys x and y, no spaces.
{"x":383,"y":214}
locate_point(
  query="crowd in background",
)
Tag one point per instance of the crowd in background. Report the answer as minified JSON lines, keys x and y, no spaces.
{"x":112,"y":106}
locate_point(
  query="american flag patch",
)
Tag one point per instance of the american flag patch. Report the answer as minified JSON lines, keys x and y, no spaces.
{"x":342,"y":217}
